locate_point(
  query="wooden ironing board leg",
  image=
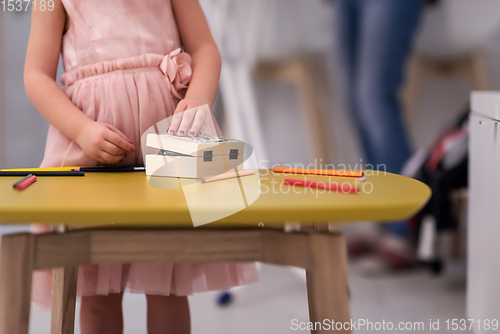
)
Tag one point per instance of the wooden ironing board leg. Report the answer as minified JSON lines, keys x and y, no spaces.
{"x":64,"y":281}
{"x":323,"y":255}
{"x":16,"y":266}
{"x":327,"y":288}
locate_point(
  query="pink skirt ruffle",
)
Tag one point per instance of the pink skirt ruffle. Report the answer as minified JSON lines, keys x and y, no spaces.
{"x":132,"y":94}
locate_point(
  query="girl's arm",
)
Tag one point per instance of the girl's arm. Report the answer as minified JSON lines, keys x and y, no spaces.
{"x":102,"y":142}
{"x":206,"y":64}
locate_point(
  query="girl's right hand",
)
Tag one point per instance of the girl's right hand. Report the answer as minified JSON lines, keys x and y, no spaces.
{"x":103,"y":142}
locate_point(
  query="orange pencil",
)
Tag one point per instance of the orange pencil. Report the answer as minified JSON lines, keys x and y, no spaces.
{"x":327,"y":172}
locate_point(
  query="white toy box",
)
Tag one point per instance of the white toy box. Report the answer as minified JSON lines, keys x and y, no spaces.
{"x":192,"y":157}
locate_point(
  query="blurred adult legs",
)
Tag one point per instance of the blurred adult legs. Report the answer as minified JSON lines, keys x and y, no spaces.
{"x":375,"y":39}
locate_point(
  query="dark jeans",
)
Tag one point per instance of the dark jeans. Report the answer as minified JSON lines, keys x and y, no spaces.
{"x":375,"y":37}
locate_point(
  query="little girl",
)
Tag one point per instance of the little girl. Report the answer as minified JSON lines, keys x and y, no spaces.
{"x":124,"y":72}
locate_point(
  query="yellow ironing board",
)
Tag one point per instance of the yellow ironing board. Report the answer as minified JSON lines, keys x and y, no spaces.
{"x":150,"y":221}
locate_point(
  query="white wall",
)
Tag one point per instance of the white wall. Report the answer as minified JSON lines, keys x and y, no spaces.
{"x":2,"y":95}
{"x":24,"y":130}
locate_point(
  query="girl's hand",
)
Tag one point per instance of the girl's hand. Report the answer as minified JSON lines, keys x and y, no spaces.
{"x":104,"y":142}
{"x":191,"y":116}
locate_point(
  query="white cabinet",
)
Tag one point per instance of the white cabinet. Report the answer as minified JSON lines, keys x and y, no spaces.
{"x":483,"y":278}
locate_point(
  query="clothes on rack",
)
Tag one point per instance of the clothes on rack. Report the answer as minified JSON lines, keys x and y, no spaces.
{"x":444,"y":168}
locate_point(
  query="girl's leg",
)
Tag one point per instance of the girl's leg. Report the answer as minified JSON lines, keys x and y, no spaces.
{"x":168,"y":315}
{"x":101,"y":314}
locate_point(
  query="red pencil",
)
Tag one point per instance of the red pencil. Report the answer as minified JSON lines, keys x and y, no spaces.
{"x":25,"y":182}
{"x":322,"y":185}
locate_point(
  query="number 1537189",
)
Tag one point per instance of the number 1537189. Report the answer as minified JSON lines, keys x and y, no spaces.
{"x":23,"y":5}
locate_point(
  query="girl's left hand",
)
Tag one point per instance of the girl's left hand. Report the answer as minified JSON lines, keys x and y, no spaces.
{"x":191,"y":116}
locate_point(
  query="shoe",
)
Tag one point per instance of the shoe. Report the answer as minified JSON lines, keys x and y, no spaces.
{"x":392,"y":254}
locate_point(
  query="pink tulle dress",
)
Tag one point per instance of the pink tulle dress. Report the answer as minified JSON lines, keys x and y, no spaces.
{"x":123,"y":66}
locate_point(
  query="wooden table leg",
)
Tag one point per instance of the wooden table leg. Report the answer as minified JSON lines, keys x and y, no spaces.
{"x":16,"y":267}
{"x":64,"y":282}
{"x":327,"y":287}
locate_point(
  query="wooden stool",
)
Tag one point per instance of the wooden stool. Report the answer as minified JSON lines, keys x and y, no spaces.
{"x":308,"y":73}
{"x":421,"y":67}
{"x":460,"y":199}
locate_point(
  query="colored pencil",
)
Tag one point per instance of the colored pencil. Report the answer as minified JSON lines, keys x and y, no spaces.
{"x":43,"y":173}
{"x":110,"y":169}
{"x":228,"y":175}
{"x":322,"y":185}
{"x":327,"y":172}
{"x":25,"y":182}
{"x":43,"y":169}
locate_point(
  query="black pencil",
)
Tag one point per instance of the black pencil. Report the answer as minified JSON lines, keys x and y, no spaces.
{"x":34,"y":172}
{"x":111,"y":169}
